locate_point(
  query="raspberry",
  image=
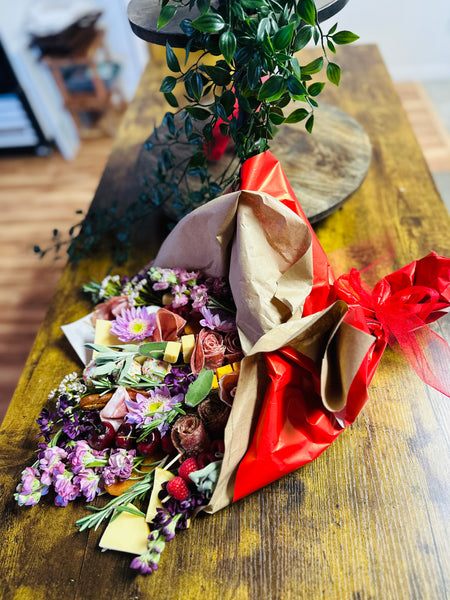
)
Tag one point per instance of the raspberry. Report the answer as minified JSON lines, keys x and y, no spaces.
{"x":188,"y":466}
{"x":177,"y":488}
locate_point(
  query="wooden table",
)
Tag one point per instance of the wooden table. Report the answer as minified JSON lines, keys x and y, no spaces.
{"x":369,"y":518}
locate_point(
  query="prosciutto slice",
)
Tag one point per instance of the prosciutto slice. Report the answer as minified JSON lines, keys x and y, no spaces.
{"x":115,"y":409}
{"x":168,"y":326}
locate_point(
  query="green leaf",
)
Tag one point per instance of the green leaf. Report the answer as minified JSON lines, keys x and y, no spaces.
{"x":263,"y":29}
{"x":307,"y":11}
{"x":168,"y":83}
{"x":283,"y":37}
{"x":172,"y":60}
{"x":272,"y":88}
{"x":209,"y":23}
{"x":153,"y":349}
{"x":309,"y":124}
{"x":333,"y":29}
{"x":295,"y":87}
{"x":297,"y":115}
{"x":344,"y":37}
{"x":331,"y":46}
{"x":171,"y":100}
{"x":313,"y":67}
{"x":227,"y":45}
{"x":218,"y":75}
{"x":276,"y":118}
{"x":315,"y":88}
{"x":203,"y":6}
{"x":252,"y":4}
{"x":228,"y":100}
{"x":166,"y":14}
{"x":302,"y":38}
{"x":296,"y":68}
{"x":200,"y":388}
{"x":334,"y":73}
{"x":201,"y":114}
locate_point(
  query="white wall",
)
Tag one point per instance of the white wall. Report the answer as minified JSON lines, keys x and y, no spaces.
{"x":412,"y":35}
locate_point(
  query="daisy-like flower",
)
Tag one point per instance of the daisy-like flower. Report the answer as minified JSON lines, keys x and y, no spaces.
{"x":134,"y":324}
{"x":145,"y":409}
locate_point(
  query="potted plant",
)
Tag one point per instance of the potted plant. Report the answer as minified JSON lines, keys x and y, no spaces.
{"x":244,"y":97}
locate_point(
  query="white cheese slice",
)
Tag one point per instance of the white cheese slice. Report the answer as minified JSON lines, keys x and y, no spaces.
{"x":103,"y":337}
{"x":161,"y":476}
{"x":126,"y":533}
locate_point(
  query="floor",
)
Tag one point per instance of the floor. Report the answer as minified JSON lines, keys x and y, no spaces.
{"x":33,"y":187}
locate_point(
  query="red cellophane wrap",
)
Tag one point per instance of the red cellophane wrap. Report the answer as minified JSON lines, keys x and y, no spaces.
{"x":294,"y":426}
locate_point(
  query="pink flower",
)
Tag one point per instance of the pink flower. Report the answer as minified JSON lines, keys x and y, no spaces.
{"x":89,"y":483}
{"x":111,"y":308}
{"x":134,"y":324}
{"x":30,"y":489}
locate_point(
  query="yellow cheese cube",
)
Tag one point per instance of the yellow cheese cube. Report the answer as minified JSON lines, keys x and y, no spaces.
{"x":221,"y":371}
{"x":126,"y":533}
{"x":187,"y":346}
{"x":215,"y":383}
{"x":161,"y":476}
{"x":236,"y":366}
{"x":172,"y":352}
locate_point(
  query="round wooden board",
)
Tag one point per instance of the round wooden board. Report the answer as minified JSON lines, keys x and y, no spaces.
{"x":324,"y":168}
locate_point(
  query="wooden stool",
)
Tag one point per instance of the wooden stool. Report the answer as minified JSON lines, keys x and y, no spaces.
{"x":82,"y":86}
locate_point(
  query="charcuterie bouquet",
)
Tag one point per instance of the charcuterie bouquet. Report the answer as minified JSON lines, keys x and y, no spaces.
{"x":229,"y":361}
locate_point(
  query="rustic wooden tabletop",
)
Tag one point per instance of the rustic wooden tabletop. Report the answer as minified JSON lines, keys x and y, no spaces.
{"x":369,"y":518}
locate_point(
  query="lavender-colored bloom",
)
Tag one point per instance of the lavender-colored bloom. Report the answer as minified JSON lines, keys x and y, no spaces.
{"x":89,"y":483}
{"x":83,"y":456}
{"x":145,"y":564}
{"x":187,"y":277}
{"x":199,"y":296}
{"x":66,"y":489}
{"x":179,"y":380}
{"x":120,"y":465}
{"x":134,"y":324}
{"x":51,"y":464}
{"x":180,"y":298}
{"x":46,"y":422}
{"x":215,"y":321}
{"x":30,"y":489}
{"x":144,"y":410}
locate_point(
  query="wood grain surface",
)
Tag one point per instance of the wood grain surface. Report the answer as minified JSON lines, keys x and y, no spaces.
{"x":369,"y":518}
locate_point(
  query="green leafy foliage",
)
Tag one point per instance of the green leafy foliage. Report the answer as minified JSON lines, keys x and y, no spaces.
{"x":256,"y":75}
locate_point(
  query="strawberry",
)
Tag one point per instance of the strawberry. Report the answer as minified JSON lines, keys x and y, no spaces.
{"x":178,"y":488}
{"x":188,"y":466}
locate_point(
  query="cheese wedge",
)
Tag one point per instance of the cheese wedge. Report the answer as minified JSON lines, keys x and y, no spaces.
{"x":161,"y":476}
{"x":172,"y":352}
{"x":126,"y":533}
{"x":102,"y":335}
{"x":187,"y":346}
{"x":215,"y":383}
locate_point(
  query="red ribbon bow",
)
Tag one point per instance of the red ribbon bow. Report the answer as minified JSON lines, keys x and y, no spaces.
{"x":398,"y":309}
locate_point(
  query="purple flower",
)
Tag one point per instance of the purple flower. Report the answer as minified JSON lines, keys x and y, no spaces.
{"x":51,"y":464}
{"x":65,"y":488}
{"x":135,"y":323}
{"x":89,"y":483}
{"x":144,"y":410}
{"x":83,"y":456}
{"x":180,"y":297}
{"x":214,"y":321}
{"x":119,"y":466}
{"x":199,"y":296}
{"x":30,"y":489}
{"x":179,"y":379}
{"x":188,"y":277}
{"x":145,"y":564}
{"x":46,"y":422}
